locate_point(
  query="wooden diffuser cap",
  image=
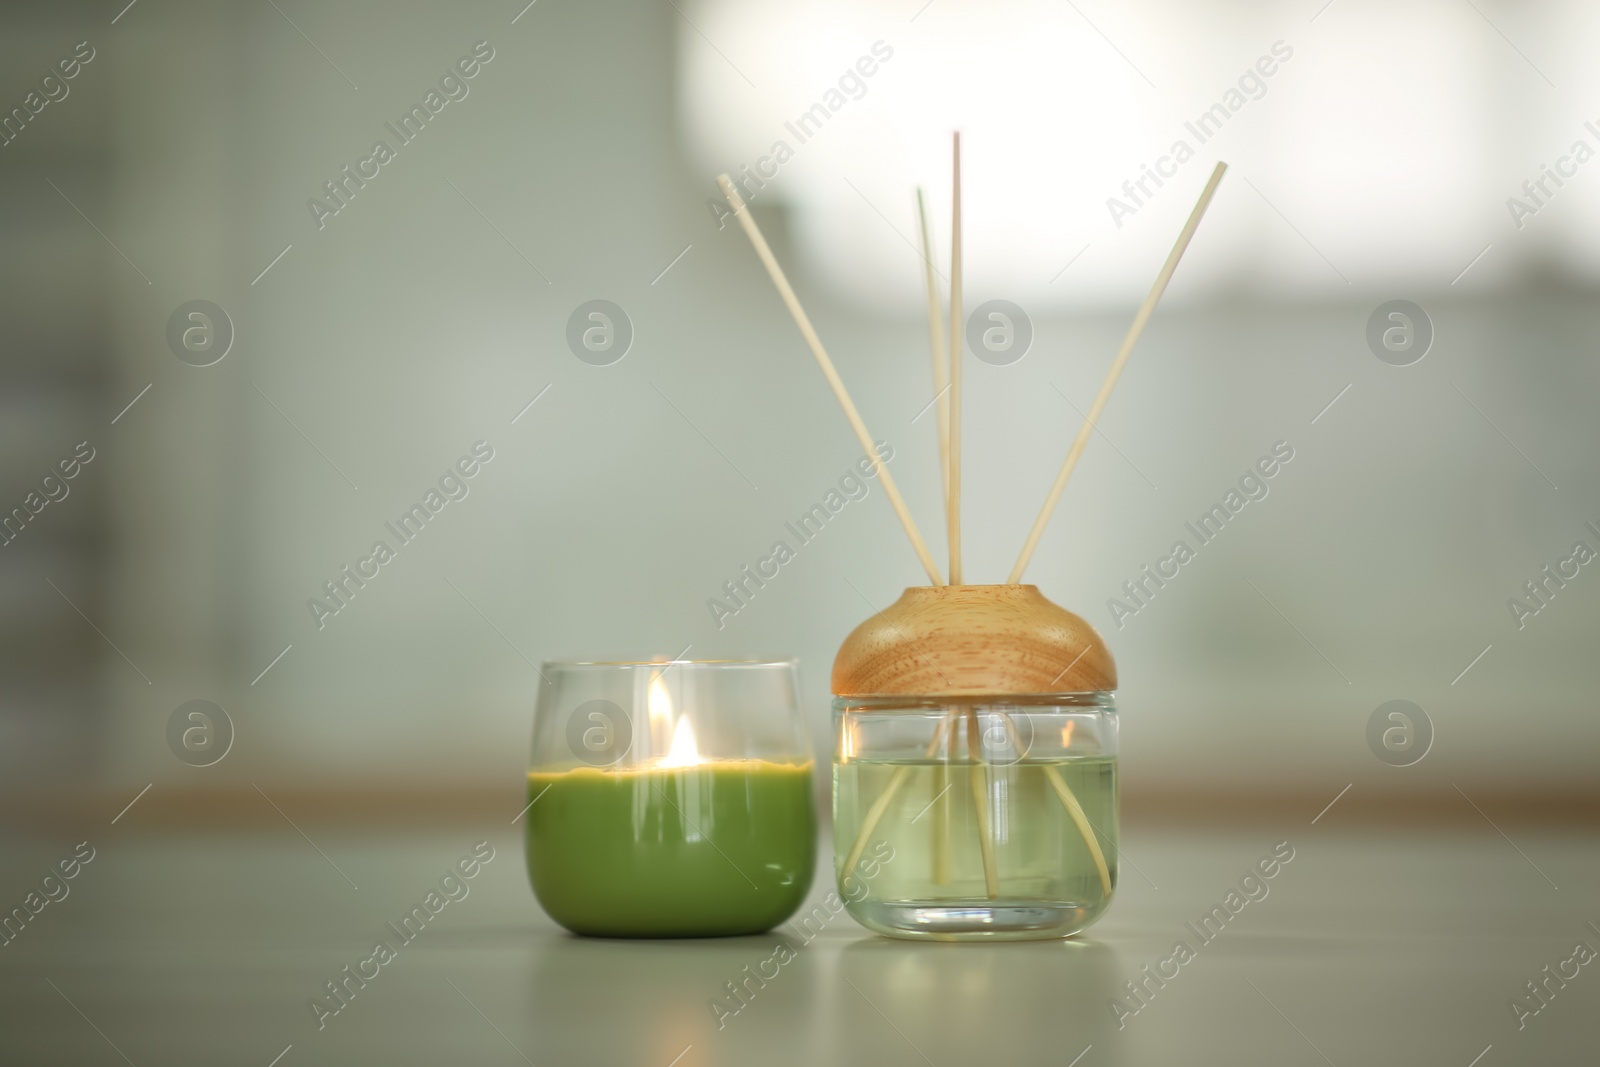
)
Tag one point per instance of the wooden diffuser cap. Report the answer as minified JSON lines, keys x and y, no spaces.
{"x":968,"y":640}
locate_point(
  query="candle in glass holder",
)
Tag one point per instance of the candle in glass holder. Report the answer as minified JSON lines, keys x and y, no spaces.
{"x":694,"y":819}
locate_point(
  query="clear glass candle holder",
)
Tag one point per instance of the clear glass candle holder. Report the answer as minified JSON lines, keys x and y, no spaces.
{"x":999,"y":813}
{"x":670,"y":799}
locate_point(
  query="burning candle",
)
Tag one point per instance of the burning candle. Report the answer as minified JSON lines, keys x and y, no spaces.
{"x":694,"y":819}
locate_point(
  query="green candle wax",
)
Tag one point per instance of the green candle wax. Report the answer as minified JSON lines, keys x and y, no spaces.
{"x":718,"y":848}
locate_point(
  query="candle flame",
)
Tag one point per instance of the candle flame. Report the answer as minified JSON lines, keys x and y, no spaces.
{"x":659,"y":705}
{"x":684,"y":752}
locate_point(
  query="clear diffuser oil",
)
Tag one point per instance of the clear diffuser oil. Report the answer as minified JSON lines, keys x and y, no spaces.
{"x":1002,"y":825}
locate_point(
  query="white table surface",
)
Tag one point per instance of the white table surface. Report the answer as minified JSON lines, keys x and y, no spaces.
{"x":1373,"y":946}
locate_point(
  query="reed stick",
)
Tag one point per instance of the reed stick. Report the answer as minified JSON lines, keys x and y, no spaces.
{"x":801,"y":320}
{"x":1075,"y":811}
{"x":941,"y":814}
{"x":1146,"y":309}
{"x":940,"y":828}
{"x":957,"y":350}
{"x":980,"y":804}
{"x":941,"y":364}
{"x":1070,"y":802}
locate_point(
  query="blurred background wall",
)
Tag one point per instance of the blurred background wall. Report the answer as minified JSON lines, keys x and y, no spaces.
{"x":374,"y":346}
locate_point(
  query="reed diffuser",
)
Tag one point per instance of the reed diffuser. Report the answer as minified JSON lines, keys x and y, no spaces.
{"x":975,"y":725}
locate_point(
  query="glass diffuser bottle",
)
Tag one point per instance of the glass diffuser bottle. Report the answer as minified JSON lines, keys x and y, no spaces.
{"x":975,"y":744}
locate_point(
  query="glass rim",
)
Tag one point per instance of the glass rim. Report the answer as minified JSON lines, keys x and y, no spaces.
{"x":1096,"y":699}
{"x":572,"y":664}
